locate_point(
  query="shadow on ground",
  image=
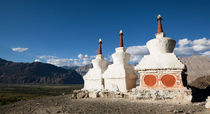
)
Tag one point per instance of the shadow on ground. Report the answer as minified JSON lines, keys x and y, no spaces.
{"x":200,"y":95}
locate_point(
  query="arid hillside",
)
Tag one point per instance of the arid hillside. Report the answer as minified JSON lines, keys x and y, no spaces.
{"x":198,"y":71}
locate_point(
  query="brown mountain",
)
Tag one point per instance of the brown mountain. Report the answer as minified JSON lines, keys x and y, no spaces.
{"x":84,"y":69}
{"x":36,"y":73}
{"x":198,"y":70}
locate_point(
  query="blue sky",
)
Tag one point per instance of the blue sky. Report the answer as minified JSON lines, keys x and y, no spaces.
{"x":66,"y":32}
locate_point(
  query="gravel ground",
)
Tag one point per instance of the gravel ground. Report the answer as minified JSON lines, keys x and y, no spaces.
{"x":64,"y":104}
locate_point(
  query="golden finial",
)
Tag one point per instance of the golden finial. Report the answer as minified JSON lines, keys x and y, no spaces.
{"x":99,"y":40}
{"x":121,"y":32}
{"x":159,"y":16}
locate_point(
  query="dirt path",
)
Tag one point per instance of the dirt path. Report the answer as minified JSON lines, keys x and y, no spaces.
{"x":64,"y":104}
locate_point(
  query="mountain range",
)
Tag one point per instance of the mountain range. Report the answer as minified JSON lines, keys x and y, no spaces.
{"x":198,"y":72}
{"x":36,"y":73}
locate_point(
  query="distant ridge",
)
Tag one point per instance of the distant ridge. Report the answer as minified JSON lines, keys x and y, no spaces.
{"x":197,"y":66}
{"x":84,"y":69}
{"x":36,"y":73}
{"x":198,"y":70}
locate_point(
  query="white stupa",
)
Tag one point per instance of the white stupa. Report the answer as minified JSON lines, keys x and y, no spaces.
{"x":93,"y":80}
{"x":120,"y":76}
{"x":160,"y":69}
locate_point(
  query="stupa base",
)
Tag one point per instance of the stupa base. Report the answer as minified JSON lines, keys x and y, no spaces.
{"x":183,"y":95}
{"x":175,"y":95}
{"x":93,"y":84}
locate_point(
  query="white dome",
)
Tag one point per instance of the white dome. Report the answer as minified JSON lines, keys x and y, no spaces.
{"x":161,"y":44}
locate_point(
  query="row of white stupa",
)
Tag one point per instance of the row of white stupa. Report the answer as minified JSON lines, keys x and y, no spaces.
{"x":160,"y":69}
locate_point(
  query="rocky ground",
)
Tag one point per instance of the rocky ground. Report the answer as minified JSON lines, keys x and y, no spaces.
{"x":64,"y":104}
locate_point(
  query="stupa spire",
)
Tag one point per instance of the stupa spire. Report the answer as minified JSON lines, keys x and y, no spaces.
{"x":99,"y":47}
{"x":160,"y":29}
{"x":121,"y":39}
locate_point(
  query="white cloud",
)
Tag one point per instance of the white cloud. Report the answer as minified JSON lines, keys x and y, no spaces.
{"x":36,"y":60}
{"x":184,"y":51}
{"x":84,"y":60}
{"x":207,"y":53}
{"x":80,"y":61}
{"x":80,"y":56}
{"x":19,"y":49}
{"x":192,"y":47}
{"x":60,"y":62}
{"x":184,"y":47}
{"x":184,"y":42}
{"x":201,"y":44}
{"x":110,"y":58}
{"x":47,"y":57}
{"x":137,"y":52}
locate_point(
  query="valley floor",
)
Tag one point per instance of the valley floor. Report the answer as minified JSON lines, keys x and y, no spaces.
{"x":64,"y":104}
{"x":10,"y":93}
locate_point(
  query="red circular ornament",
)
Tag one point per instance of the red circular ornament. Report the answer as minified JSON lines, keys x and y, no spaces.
{"x":150,"y":80}
{"x":168,"y":80}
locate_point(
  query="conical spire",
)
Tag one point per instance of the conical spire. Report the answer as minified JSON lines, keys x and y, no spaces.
{"x":121,"y":39}
{"x":160,"y":29}
{"x":99,"y":48}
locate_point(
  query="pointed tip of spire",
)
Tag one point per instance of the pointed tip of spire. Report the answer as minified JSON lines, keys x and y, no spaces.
{"x":159,"y":16}
{"x":100,"y":41}
{"x":121,"y":32}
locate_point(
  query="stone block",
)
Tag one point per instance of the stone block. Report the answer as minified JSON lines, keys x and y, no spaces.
{"x":82,"y":94}
{"x":110,"y":95}
{"x":207,"y":102}
{"x":93,"y":94}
